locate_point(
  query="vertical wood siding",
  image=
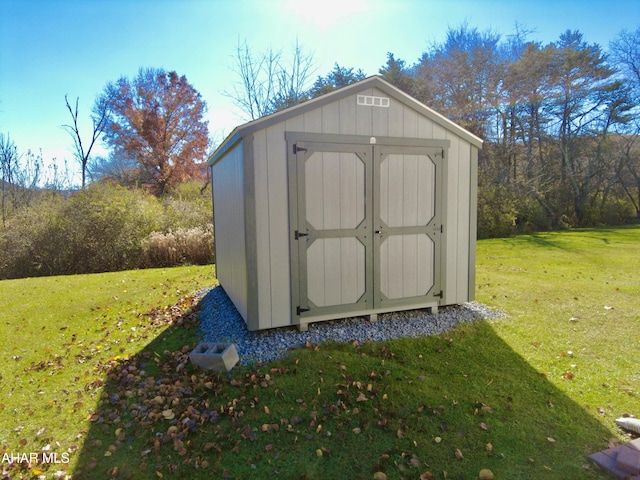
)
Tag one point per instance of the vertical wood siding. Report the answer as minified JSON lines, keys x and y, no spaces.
{"x":228,"y":191}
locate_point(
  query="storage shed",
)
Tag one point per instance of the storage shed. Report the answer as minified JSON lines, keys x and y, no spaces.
{"x":358,"y":202}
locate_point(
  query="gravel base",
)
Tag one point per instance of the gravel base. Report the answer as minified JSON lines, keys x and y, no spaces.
{"x":221,"y":322}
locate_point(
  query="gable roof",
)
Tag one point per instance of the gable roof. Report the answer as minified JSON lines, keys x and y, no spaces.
{"x":370,"y":82}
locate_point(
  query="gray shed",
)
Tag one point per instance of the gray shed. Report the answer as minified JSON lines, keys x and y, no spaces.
{"x":358,"y":202}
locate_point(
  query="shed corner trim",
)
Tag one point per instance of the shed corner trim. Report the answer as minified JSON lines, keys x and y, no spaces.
{"x":224,"y":147}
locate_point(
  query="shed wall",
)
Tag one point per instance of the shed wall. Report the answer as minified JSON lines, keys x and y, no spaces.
{"x":345,"y":117}
{"x":229,"y":193}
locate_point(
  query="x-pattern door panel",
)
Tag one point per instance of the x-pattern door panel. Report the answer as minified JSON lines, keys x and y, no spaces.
{"x":408,"y":223}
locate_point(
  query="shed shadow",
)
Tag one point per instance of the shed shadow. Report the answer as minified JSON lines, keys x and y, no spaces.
{"x":135,"y":434}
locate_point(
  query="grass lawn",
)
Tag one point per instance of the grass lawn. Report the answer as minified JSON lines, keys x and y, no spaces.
{"x":94,"y":369}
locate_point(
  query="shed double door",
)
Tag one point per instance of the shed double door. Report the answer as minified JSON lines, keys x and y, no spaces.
{"x":366,"y":226}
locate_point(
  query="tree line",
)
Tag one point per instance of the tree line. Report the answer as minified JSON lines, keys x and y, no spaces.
{"x":560,"y":123}
{"x":560,"y":120}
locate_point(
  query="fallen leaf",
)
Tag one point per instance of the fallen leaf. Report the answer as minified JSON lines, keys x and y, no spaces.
{"x":486,"y":409}
{"x":379,"y":476}
{"x":459,"y":455}
{"x":168,"y":414}
{"x":485,"y":474}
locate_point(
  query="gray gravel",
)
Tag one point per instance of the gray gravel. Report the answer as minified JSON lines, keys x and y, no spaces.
{"x":221,"y":322}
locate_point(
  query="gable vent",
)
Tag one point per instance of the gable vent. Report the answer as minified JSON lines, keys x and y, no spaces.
{"x":371,"y":101}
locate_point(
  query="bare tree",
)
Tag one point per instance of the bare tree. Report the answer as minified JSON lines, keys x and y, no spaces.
{"x":625,"y":52}
{"x":267,"y":83}
{"x":99,"y":117}
{"x":8,"y":160}
{"x":19,"y":177}
{"x":117,"y":167}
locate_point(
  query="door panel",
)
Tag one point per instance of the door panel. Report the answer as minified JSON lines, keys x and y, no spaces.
{"x":407,"y":190}
{"x":335,"y":193}
{"x":406,"y":266}
{"x":338,"y":266}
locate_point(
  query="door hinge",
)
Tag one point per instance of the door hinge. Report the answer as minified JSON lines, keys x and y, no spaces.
{"x":298,"y":234}
{"x":300,"y":310}
{"x":297,"y":149}
{"x":440,"y":294}
{"x":441,"y":228}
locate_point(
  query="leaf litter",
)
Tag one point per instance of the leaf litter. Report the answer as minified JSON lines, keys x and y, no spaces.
{"x":158,"y":396}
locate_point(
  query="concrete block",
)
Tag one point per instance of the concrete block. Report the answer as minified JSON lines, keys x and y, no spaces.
{"x":606,"y":460}
{"x":219,"y":357}
{"x":628,"y":459}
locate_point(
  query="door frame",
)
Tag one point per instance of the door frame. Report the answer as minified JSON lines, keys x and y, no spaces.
{"x":299,"y":314}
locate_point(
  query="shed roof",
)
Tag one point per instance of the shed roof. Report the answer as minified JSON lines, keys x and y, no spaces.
{"x":370,"y":82}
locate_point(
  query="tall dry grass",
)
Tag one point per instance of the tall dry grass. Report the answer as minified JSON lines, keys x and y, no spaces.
{"x":180,"y":246}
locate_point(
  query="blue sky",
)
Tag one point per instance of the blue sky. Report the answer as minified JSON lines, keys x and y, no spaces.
{"x":49,"y":48}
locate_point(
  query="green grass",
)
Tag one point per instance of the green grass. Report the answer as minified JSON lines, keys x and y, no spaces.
{"x":57,"y":335}
{"x":529,"y":395}
{"x":573,"y":300}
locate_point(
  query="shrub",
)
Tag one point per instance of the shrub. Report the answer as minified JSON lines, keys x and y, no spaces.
{"x":187,"y":206}
{"x":531,"y":216}
{"x":618,"y":212}
{"x":497,"y":211}
{"x":94,"y":230}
